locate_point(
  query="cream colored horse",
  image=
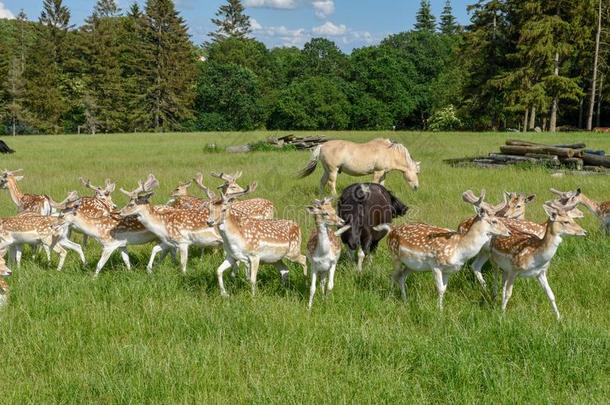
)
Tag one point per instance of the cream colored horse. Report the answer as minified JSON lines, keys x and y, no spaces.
{"x":377,"y":157}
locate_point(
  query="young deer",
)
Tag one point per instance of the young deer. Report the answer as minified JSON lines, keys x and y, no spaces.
{"x":100,"y":204}
{"x":523,"y":255}
{"x":35,"y":229}
{"x":175,"y":228}
{"x":254,"y":241}
{"x":324,"y":246}
{"x":600,"y":210}
{"x":421,"y":247}
{"x":41,"y":204}
{"x":511,"y":210}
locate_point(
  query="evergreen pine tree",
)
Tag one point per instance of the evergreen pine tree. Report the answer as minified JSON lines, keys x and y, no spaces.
{"x":45,"y":90}
{"x":171,"y":58}
{"x":102,"y":97}
{"x":449,"y":25}
{"x":231,"y":21}
{"x":425,"y":20}
{"x":15,"y":90}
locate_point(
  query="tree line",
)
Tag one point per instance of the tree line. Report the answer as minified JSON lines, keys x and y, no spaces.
{"x":519,"y":64}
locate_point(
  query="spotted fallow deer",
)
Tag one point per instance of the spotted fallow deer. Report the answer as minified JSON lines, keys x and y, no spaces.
{"x":176,"y":228}
{"x":259,"y":208}
{"x":254,"y":241}
{"x":600,"y":209}
{"x":524,"y":255}
{"x":114,"y":232}
{"x":324,"y":246}
{"x":510,"y":211}
{"x":100,"y":204}
{"x":421,"y":247}
{"x":34,"y":229}
{"x":41,"y":204}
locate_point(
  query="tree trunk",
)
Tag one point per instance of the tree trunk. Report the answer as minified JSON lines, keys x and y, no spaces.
{"x":595,"y":62}
{"x":600,"y":100}
{"x":581,"y":106}
{"x":532,"y":124}
{"x":525,"y":119}
{"x":554,"y":106}
{"x":14,"y":125}
{"x":544,"y":127}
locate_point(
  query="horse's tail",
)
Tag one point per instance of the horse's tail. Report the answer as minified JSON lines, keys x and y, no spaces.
{"x":313,"y":162}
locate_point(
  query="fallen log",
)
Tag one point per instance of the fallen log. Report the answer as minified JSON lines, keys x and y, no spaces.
{"x":544,"y":150}
{"x":572,"y":146}
{"x":511,"y":158}
{"x":573,"y":163}
{"x":596,"y":160}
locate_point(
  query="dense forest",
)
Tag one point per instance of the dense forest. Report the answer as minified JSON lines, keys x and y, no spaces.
{"x":519,"y":64}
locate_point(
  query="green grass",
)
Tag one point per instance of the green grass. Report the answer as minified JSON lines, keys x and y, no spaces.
{"x":130,"y":337}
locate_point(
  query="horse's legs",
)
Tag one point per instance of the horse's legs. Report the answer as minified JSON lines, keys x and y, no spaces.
{"x":333,"y":180}
{"x":323,"y":180}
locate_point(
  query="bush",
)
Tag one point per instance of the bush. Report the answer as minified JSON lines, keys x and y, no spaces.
{"x":445,"y":119}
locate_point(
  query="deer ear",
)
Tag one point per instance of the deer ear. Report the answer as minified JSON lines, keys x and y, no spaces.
{"x":530,"y":198}
{"x":551,"y":212}
{"x":310,"y":209}
{"x":18,"y":178}
{"x":110,"y":188}
{"x":578,"y":191}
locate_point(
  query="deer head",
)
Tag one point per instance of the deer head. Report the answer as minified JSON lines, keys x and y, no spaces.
{"x":485,"y":214}
{"x":561,"y":221}
{"x":567,"y":197}
{"x":140,"y":196}
{"x":323,"y":211}
{"x":6,"y":175}
{"x":225,"y":204}
{"x":102,"y":193}
{"x":230,"y":185}
{"x":514,"y":205}
{"x":182,"y":189}
{"x":198,"y":179}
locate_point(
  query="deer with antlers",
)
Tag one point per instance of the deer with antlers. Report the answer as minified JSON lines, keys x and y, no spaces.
{"x":100,"y":204}
{"x":526,"y":255}
{"x":50,"y":231}
{"x":176,"y":228}
{"x":259,"y":208}
{"x":422,"y":247}
{"x":600,"y":209}
{"x":511,"y":211}
{"x":42,"y":204}
{"x":254,"y":241}
{"x":181,"y":199}
{"x":324,"y":246}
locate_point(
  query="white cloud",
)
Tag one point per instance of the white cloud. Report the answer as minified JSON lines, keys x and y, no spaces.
{"x":5,"y":12}
{"x":255,"y":24}
{"x":283,"y":4}
{"x":330,"y":29}
{"x":323,"y":8}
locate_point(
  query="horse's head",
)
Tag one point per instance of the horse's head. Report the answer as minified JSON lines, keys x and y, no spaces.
{"x":411,"y":175}
{"x":410,"y":168}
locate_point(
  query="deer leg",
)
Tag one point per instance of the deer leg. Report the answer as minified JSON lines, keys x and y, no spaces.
{"x":331,"y":277}
{"x":283,"y":269}
{"x":85,"y":239}
{"x":228,"y":263}
{"x":156,"y":249}
{"x":400,"y":278}
{"x":125,"y":257}
{"x":253,"y":264}
{"x":441,"y":285}
{"x":323,"y":281}
{"x":477,"y":267}
{"x":62,"y":256}
{"x":68,"y":244}
{"x":508,"y":279}
{"x":361,"y":256}
{"x":47,"y":251}
{"x":184,"y":256}
{"x":104,"y":258}
{"x":544,"y":283}
{"x":312,"y":286}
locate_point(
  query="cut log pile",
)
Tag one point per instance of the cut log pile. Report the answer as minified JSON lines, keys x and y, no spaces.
{"x":298,"y":142}
{"x":572,"y":156}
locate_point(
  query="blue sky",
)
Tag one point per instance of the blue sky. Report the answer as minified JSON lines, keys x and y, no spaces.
{"x":350,"y":23}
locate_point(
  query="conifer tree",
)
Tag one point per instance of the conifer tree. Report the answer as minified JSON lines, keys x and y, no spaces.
{"x":425,"y":20}
{"x":171,"y":58}
{"x":46,"y":79}
{"x":231,"y":21}
{"x":449,"y":25}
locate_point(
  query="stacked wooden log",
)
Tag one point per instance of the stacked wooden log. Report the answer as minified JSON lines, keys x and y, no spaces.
{"x":569,"y":156}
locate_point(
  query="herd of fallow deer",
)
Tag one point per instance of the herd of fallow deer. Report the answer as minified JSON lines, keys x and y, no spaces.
{"x":248,"y":233}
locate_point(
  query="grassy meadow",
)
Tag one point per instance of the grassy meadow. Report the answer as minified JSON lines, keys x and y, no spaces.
{"x":128,"y":337}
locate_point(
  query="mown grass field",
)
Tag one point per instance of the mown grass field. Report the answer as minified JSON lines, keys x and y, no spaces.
{"x":128,"y":337}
